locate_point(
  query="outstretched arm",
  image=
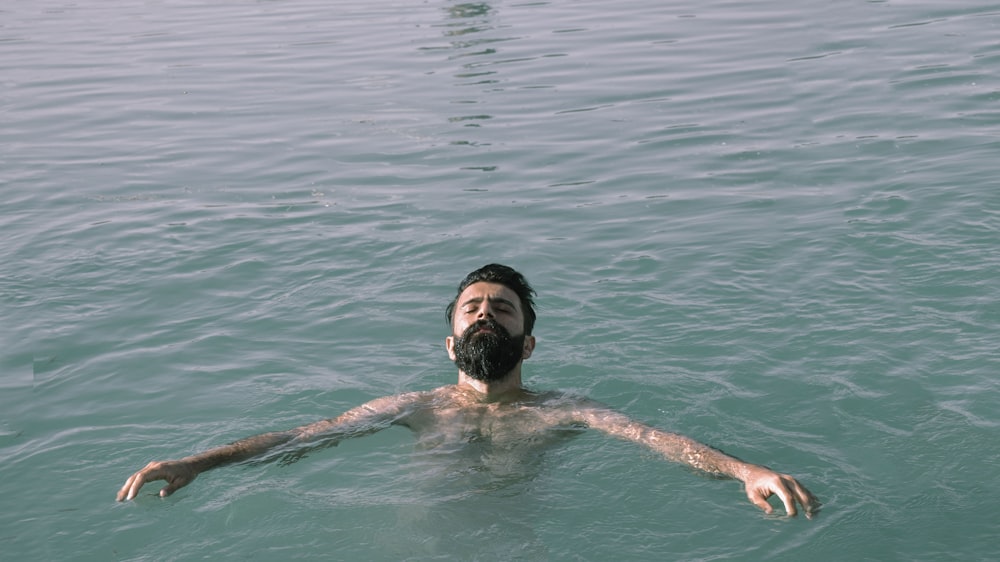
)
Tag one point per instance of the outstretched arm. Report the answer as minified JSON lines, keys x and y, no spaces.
{"x":760,"y":482}
{"x":365,"y":419}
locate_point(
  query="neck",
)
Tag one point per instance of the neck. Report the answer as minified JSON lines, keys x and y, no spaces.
{"x":507,"y":388}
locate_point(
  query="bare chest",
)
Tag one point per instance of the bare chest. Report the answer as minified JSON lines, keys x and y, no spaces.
{"x":496,"y":424}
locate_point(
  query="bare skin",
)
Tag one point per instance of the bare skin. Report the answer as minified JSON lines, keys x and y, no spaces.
{"x":502,"y":410}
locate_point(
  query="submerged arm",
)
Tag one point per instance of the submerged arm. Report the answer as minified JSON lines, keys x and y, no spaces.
{"x":760,"y":482}
{"x":362,"y":420}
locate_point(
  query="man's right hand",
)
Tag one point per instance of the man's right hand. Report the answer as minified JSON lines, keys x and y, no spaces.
{"x":177,"y":474}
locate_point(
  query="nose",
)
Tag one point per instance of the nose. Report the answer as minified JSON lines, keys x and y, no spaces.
{"x":485,"y":310}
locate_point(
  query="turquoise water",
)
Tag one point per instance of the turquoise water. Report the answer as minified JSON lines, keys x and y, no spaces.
{"x":770,"y":226}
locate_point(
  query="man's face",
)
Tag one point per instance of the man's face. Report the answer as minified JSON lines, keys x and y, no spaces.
{"x":488,"y":339}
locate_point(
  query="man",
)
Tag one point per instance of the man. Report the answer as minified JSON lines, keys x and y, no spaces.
{"x":492,"y":318}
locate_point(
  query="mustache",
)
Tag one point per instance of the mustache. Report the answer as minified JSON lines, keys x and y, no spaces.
{"x":488,"y":324}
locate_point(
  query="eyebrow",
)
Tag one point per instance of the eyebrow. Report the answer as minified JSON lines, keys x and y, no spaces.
{"x":501,"y":300}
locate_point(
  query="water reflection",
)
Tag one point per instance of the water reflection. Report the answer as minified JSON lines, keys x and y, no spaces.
{"x":469,"y":10}
{"x":467,"y":28}
{"x":464,"y":21}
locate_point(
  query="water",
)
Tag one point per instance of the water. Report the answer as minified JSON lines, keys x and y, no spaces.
{"x":771,"y":227}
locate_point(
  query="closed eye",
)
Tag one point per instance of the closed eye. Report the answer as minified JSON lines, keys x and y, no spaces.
{"x":502,"y":306}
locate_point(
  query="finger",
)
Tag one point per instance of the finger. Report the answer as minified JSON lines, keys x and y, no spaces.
{"x":806,"y":498}
{"x":124,"y":489}
{"x":786,"y":498}
{"x":137,"y":484}
{"x":172,"y":487}
{"x":760,"y":500}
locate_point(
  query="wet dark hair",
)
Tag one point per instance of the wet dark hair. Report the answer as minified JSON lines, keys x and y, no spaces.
{"x":506,"y":276}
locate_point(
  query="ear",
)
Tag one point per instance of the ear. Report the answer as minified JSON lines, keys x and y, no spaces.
{"x":449,"y":344}
{"x":529,"y":346}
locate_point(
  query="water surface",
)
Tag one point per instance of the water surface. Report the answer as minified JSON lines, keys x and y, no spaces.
{"x":771,"y":227}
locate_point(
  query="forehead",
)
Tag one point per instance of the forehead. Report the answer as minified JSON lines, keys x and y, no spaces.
{"x":484,"y":290}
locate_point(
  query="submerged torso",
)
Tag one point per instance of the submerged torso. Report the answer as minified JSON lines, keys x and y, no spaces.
{"x":467,"y":444}
{"x":451,"y":417}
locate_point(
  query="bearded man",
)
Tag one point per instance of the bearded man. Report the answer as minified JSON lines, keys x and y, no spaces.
{"x":492,"y":318}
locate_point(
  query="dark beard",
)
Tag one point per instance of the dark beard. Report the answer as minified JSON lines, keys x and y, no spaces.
{"x":488,"y":356}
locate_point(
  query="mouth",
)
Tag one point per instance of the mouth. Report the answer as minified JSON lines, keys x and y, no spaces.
{"x":483,"y":331}
{"x":485,"y":328}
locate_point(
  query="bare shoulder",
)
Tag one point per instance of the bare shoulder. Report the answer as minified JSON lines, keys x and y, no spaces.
{"x":562,"y":400}
{"x":372,"y":415}
{"x":575,"y":409}
{"x":397,"y":403}
{"x":560,"y":408}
